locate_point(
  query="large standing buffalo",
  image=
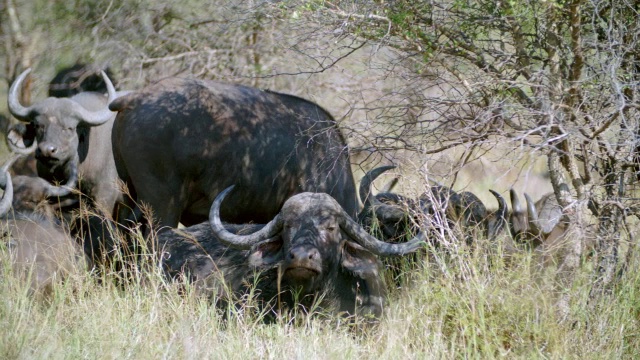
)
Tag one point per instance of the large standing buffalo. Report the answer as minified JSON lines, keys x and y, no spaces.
{"x":179,"y":142}
{"x":70,"y":136}
{"x":311,"y":252}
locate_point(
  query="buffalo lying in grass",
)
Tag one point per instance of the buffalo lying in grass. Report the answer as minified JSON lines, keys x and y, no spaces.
{"x":37,"y":246}
{"x":397,"y":216}
{"x":539,"y":223}
{"x":312,"y":251}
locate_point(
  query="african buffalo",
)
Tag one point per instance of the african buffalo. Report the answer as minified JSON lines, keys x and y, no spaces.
{"x":38,"y":248}
{"x":70,"y":136}
{"x":79,"y":78}
{"x":542,"y":220}
{"x":397,"y":216}
{"x":179,"y":142}
{"x":311,"y":248}
{"x":544,"y":227}
{"x":539,"y":221}
{"x":66,"y":83}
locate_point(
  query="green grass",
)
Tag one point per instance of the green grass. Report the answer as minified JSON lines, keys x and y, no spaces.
{"x":477,"y":307}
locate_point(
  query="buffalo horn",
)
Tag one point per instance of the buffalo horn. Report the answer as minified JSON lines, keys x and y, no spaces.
{"x":367,"y":180}
{"x":7,"y":197}
{"x":95,"y":118}
{"x":380,"y":248}
{"x":17,"y":110}
{"x":240,"y":241}
{"x":532,"y":214}
{"x":66,"y":189}
{"x":515,"y":202}
{"x":500,"y":216}
{"x":5,"y":169}
{"x":13,"y":136}
{"x":502,"y":205}
{"x":388,"y":213}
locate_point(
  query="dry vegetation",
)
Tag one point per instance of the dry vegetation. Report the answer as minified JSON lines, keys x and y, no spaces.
{"x":476,"y":308}
{"x":478,"y":96}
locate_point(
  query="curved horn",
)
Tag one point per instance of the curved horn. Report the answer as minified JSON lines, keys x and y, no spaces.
{"x":365,"y":184}
{"x":17,"y":110}
{"x":5,"y":170}
{"x":20,"y":150}
{"x":381,"y":210}
{"x":515,"y":202}
{"x":111,"y":90}
{"x":7,"y":197}
{"x":502,"y":205}
{"x":14,"y":135}
{"x":380,"y":248}
{"x":95,"y":118}
{"x":239,"y":241}
{"x":66,"y":189}
{"x":532,"y":214}
{"x":499,"y":219}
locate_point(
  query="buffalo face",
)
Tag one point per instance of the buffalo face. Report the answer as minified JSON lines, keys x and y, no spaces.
{"x":39,"y":250}
{"x":54,"y":125}
{"x":317,"y":248}
{"x":310,"y":245}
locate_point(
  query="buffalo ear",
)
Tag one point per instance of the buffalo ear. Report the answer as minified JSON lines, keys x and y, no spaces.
{"x":359,"y":261}
{"x":266,"y":254}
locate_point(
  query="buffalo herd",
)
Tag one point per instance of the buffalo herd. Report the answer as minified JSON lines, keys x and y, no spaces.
{"x":261,"y":182}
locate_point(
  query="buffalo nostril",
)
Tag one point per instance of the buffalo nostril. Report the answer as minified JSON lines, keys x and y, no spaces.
{"x":314,"y":254}
{"x":46,"y":151}
{"x":304,"y":253}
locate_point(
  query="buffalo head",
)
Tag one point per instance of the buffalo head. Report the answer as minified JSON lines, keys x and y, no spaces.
{"x":52,"y":126}
{"x":38,"y":248}
{"x":31,"y":193}
{"x":396,"y":215}
{"x":540,"y":221}
{"x":316,"y":247}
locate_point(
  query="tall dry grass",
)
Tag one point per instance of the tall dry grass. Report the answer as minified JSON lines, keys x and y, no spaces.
{"x":453,"y":304}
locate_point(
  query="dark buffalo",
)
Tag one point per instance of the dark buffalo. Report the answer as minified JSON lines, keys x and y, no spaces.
{"x":311,"y":248}
{"x":397,"y":216}
{"x":79,"y":78}
{"x":179,"y":142}
{"x":38,"y":248}
{"x":70,"y":136}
